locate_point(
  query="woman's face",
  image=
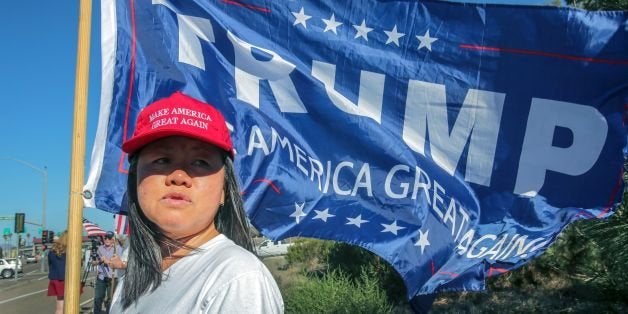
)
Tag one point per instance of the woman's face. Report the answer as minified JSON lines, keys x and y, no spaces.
{"x":180,"y":184}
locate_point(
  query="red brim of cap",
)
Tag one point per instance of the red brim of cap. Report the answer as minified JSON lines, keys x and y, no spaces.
{"x":133,"y":145}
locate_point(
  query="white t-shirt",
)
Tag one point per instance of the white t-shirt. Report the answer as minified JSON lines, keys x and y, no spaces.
{"x":221,"y":278}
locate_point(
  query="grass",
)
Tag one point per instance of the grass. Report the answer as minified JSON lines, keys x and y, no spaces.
{"x":557,"y":295}
{"x":285,"y":276}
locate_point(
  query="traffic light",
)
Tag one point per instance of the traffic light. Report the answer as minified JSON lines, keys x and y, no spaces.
{"x":44,"y":236}
{"x":51,"y":236}
{"x":19,"y":222}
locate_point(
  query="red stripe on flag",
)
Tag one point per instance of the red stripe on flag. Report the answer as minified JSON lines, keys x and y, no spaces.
{"x":121,"y":224}
{"x":493,"y":271}
{"x":130,"y":93}
{"x":92,"y":229}
{"x":612,"y":198}
{"x":248,"y":6}
{"x":543,"y":54}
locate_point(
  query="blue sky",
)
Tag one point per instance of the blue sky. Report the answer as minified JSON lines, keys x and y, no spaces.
{"x":37,"y":68}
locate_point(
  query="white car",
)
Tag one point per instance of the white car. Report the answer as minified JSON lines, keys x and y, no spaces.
{"x":31,"y":259}
{"x":7,"y":267}
{"x":272,"y":248}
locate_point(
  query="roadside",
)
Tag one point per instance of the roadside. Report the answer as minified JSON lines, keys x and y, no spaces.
{"x":28,"y":275}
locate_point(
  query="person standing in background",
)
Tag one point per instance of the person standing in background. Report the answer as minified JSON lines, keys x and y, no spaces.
{"x":56,"y":274}
{"x":105,"y":273}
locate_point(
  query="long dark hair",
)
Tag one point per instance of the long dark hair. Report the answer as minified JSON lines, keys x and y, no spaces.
{"x":146,"y":239}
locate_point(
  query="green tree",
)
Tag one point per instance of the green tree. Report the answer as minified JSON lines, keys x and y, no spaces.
{"x":610,"y":238}
{"x":599,"y":4}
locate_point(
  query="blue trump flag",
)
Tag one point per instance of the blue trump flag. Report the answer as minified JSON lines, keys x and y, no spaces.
{"x":455,"y":141}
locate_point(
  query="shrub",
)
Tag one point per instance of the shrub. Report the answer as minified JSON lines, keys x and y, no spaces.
{"x":319,"y":257}
{"x":609,"y":269}
{"x":335,"y":292}
{"x":354,"y":261}
{"x":310,"y":253}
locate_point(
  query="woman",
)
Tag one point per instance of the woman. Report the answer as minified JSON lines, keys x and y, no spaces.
{"x":189,"y":247}
{"x":56,"y":271}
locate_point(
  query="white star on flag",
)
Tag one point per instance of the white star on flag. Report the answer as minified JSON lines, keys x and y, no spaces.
{"x":357,"y":221}
{"x":393,"y":36}
{"x":298,"y":212}
{"x":331,"y":24}
{"x":362,"y":30}
{"x":323,"y":214}
{"x":392,"y":228}
{"x":423,"y":242}
{"x":426,"y":41}
{"x":301,"y":18}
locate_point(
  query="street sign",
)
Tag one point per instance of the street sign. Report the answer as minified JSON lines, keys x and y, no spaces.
{"x":7,"y":231}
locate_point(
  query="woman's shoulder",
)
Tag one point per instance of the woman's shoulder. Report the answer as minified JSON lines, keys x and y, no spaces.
{"x":228,"y":249}
{"x":238,"y":279}
{"x":223,"y":249}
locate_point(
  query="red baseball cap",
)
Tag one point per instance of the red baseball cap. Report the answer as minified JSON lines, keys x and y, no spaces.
{"x":179,"y":115}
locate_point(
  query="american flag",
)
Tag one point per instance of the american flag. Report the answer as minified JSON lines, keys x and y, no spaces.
{"x":92,"y":228}
{"x":414,"y":133}
{"x":121,"y":224}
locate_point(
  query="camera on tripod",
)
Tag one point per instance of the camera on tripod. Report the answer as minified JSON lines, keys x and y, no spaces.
{"x":94,"y":249}
{"x":93,"y":257}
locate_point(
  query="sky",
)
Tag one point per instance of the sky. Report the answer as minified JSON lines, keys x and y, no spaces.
{"x":37,"y":70}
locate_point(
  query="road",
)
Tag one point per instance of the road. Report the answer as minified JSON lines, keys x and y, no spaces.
{"x":28,"y":293}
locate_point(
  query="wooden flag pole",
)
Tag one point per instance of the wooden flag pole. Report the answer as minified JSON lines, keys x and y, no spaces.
{"x":75,"y":214}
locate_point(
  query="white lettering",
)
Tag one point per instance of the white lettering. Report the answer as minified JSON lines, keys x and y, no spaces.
{"x":438,"y":200}
{"x":284,"y":141}
{"x":316,"y":168}
{"x":249,"y":71}
{"x":404,"y":185}
{"x":300,"y":158}
{"x":478,"y":123}
{"x":470,"y":254}
{"x":164,"y":121}
{"x":450,"y":215}
{"x":370,"y":95}
{"x":157,"y":114}
{"x":194,"y":123}
{"x":335,"y":182}
{"x":256,"y":140}
{"x":424,"y":186}
{"x":363,"y":180}
{"x":588,"y":128}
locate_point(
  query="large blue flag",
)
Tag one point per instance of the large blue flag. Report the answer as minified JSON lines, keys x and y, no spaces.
{"x":455,"y":141}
